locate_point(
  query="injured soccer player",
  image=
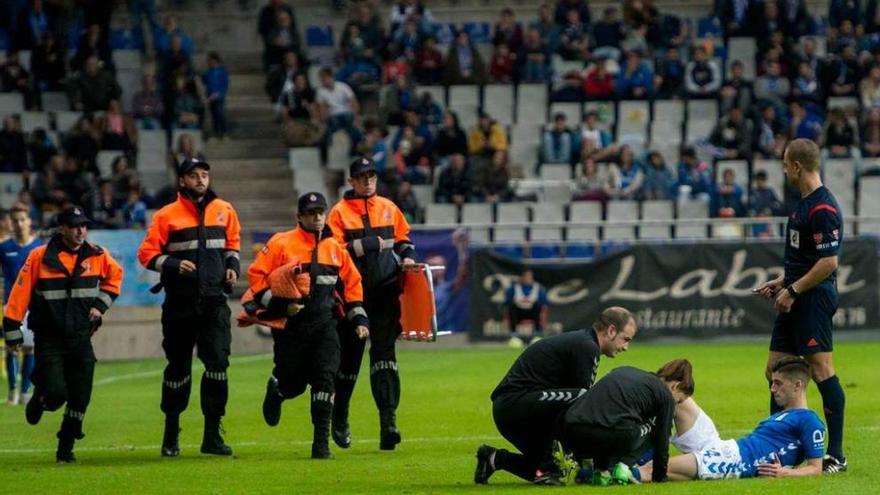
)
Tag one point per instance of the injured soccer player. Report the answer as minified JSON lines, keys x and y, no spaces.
{"x":788,"y":443}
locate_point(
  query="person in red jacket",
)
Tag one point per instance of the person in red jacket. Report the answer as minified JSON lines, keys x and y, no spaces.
{"x":64,"y":288}
{"x":599,"y":84}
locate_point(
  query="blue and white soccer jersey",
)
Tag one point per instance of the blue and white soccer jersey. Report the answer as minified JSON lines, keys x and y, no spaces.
{"x":12,"y":258}
{"x":791,"y":436}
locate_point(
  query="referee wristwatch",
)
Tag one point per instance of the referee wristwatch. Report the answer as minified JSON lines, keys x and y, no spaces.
{"x":790,"y":289}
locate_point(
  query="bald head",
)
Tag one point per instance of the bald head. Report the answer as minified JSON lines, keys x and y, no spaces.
{"x":615,"y":329}
{"x":803,"y":152}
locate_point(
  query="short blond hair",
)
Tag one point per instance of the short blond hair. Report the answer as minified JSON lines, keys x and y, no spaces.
{"x":805,"y":152}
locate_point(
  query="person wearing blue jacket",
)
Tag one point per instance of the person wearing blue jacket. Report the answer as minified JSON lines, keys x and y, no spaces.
{"x":216,"y":80}
{"x":635,"y":80}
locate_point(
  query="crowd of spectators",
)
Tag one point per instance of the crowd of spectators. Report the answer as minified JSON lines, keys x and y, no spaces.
{"x":70,"y":53}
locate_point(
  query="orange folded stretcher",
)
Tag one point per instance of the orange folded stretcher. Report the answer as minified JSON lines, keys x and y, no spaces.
{"x":418,"y":312}
{"x":288,"y":282}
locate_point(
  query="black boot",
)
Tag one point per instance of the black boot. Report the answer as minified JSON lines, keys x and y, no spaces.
{"x":33,"y":411}
{"x":389,"y":435}
{"x":272,"y":403}
{"x":212,"y":442}
{"x":170,"y":444}
{"x":64,"y":454}
{"x":320,"y":442}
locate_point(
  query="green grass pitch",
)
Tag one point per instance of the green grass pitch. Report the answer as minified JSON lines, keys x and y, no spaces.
{"x":445,"y":414}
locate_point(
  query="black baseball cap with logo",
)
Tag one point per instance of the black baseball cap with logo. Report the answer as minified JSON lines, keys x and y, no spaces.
{"x":311,"y":201}
{"x":360,"y":166}
{"x":72,"y":217}
{"x":190,"y":163}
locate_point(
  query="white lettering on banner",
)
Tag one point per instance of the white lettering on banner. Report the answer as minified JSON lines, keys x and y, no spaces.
{"x":726,"y":317}
{"x":854,"y":316}
{"x":568,"y":292}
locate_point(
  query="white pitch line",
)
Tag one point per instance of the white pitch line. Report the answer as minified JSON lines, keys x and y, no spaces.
{"x":195,"y":446}
{"x":148,"y":374}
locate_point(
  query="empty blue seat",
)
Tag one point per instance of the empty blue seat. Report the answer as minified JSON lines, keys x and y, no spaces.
{"x":319,"y":36}
{"x":708,"y":25}
{"x":580,"y":251}
{"x":510,"y":250}
{"x":544,"y":251}
{"x":479,"y":32}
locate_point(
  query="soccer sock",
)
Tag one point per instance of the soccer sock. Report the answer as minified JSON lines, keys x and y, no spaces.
{"x":517,"y":464}
{"x":12,"y":369}
{"x":834,"y":402}
{"x":27,"y":367}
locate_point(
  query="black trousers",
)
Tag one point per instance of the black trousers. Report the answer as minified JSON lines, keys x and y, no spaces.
{"x":64,"y":373}
{"x":518,"y":315}
{"x":605,"y":446}
{"x":528,"y":420}
{"x":207,"y":329}
{"x":383,"y":308}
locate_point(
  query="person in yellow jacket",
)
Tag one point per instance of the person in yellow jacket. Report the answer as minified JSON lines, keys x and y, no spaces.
{"x":487,"y":137}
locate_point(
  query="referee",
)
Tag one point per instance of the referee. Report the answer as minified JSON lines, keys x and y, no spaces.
{"x":377,"y":235}
{"x":805,"y":296}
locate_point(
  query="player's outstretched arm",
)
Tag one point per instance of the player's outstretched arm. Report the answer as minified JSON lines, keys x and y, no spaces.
{"x":812,"y":467}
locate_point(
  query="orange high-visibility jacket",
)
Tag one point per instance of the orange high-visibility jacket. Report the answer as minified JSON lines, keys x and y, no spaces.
{"x":359,"y":223}
{"x":207,"y":233}
{"x":331,"y":271}
{"x":59,"y":287}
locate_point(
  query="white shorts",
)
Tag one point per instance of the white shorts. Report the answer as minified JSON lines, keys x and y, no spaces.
{"x":701,"y":436}
{"x":720,"y":461}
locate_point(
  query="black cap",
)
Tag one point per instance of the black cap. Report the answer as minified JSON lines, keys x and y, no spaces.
{"x":191,"y":163}
{"x":360,"y":166}
{"x":311,"y":201}
{"x":72,"y":217}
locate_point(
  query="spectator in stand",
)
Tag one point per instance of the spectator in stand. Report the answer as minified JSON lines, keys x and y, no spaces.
{"x":595,"y":143}
{"x":794,"y":18}
{"x":175,"y":62}
{"x":396,"y":99}
{"x":46,"y":189}
{"x":27,"y":201}
{"x":732,"y":136}
{"x":626,"y":175}
{"x":736,"y":91}
{"x":639,"y":13}
{"x":299,"y":113}
{"x":40,"y":148}
{"x":727,"y":199}
{"x":635,"y":80}
{"x":593,"y":182}
{"x":669,"y":78}
{"x":77,"y":184}
{"x":841,"y":140}
{"x":702,"y":77}
{"x":454,"y":185}
{"x":339,"y":110}
{"x":93,"y":43}
{"x":871,"y":134}
{"x":96,"y":12}
{"x":842,"y":73}
{"x":405,"y":199}
{"x":660,"y":182}
{"x":547,"y":26}
{"x":451,"y":139}
{"x":369,"y":29}
{"x":93,"y":89}
{"x":122,"y":177}
{"x":872,"y":17}
{"x":134,"y":211}
{"x":405,"y":43}
{"x":608,"y":33}
{"x":763,"y":198}
{"x":412,"y":150}
{"x":163,"y":37}
{"x":557,"y":141}
{"x":374,"y":146}
{"x":188,"y":108}
{"x":487,"y":137}
{"x":107,"y":209}
{"x":282,"y":75}
{"x":807,"y":88}
{"x":769,"y":22}
{"x":840,"y":10}
{"x":772,"y":87}
{"x":809,"y":54}
{"x":563,"y":7}
{"x":533,"y":58}
{"x":737,"y":17}
{"x":13,"y":149}
{"x":117,"y":130}
{"x":47,"y":63}
{"x":599,"y":83}
{"x":501,"y":69}
{"x":361,"y":76}
{"x":267,"y":21}
{"x":137,"y":11}
{"x":185,"y":150}
{"x":508,"y":31}
{"x":869,"y":90}
{"x":464,"y":64}
{"x":804,"y":124}
{"x":283,"y":37}
{"x":493,"y":182}
{"x":147,"y":106}
{"x":694,"y":176}
{"x":414,"y":10}
{"x":429,"y":63}
{"x":429,"y":110}
{"x":770,"y":134}
{"x":14,"y":78}
{"x":574,"y":38}
{"x":33,"y":21}
{"x":83,"y":142}
{"x":216,"y":81}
